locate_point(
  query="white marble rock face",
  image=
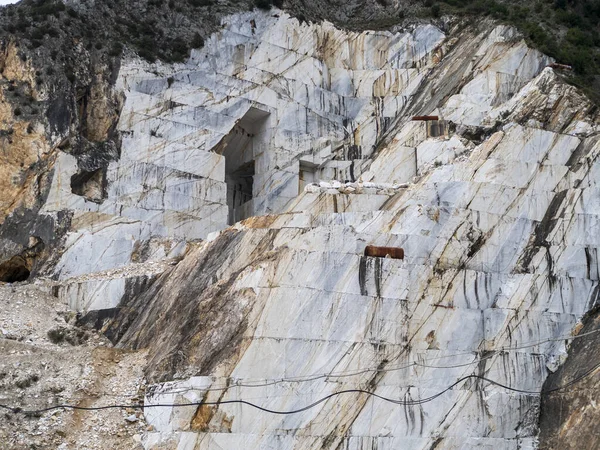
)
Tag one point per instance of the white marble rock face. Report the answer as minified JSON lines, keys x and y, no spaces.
{"x":499,"y":232}
{"x":290,"y":98}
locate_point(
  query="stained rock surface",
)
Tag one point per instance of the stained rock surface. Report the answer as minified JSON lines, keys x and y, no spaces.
{"x":495,"y":215}
{"x":567,"y":416}
{"x":227,"y":238}
{"x":267,"y":107}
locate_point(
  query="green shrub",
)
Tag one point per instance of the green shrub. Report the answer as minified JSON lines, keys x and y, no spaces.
{"x":560,"y":4}
{"x":569,"y":18}
{"x":70,"y":74}
{"x":22,"y":25}
{"x":46,"y":8}
{"x":263,"y":4}
{"x":148,"y":54}
{"x":36,"y":34}
{"x":116,"y":49}
{"x":179,"y":45}
{"x":197,"y":41}
{"x":200,"y":3}
{"x":578,"y":37}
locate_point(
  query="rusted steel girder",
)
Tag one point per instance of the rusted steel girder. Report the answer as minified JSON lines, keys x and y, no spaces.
{"x":560,"y":66}
{"x":426,"y":118}
{"x":384,"y":252}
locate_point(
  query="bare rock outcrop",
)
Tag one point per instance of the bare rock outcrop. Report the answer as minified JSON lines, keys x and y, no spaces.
{"x":567,"y":416}
{"x":211,"y":215}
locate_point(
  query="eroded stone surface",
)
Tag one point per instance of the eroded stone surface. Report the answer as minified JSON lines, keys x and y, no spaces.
{"x":567,"y":415}
{"x":497,"y":223}
{"x":291,"y":103}
{"x":497,"y":216}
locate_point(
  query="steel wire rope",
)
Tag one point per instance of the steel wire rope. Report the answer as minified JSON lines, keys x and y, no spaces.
{"x":315,"y":377}
{"x":344,"y":374}
{"x":420,"y":401}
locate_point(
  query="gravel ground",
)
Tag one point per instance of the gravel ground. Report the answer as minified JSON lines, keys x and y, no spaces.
{"x":46,"y":361}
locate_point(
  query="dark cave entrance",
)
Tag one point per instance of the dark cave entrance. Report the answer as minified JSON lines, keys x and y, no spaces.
{"x":240,"y":184}
{"x":14,"y":270}
{"x":437,"y":128}
{"x":307,"y":174}
{"x":240,"y":148}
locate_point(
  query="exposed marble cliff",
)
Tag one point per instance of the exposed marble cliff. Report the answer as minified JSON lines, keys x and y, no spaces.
{"x":265,"y":108}
{"x":568,"y":417}
{"x":265,"y":165}
{"x":494,"y":205}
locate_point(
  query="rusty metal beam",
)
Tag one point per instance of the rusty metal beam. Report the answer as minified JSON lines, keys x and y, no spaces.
{"x":426,"y":118}
{"x":560,"y":66}
{"x":384,"y":252}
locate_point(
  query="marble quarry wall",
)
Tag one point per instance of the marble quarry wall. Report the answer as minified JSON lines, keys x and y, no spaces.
{"x":494,"y":204}
{"x":268,"y":162}
{"x":265,"y":108}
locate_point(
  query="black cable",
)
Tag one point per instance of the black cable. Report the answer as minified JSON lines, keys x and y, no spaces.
{"x":376,"y":369}
{"x":312,"y":405}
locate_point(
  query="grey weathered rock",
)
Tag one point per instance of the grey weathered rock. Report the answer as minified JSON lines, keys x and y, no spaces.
{"x":568,"y":416}
{"x":494,"y":203}
{"x":495,"y":272}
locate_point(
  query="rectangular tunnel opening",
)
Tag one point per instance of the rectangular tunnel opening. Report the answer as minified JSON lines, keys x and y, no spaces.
{"x":437,"y":128}
{"x":240,"y":148}
{"x":307,"y":174}
{"x":240,"y":184}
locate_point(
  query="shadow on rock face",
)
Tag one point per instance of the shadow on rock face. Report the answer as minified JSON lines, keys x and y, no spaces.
{"x":569,"y":417}
{"x":90,"y":185}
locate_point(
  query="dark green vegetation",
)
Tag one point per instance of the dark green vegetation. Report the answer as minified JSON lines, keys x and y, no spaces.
{"x":155,"y":29}
{"x":268,"y":4}
{"x":567,"y":30}
{"x":63,"y":34}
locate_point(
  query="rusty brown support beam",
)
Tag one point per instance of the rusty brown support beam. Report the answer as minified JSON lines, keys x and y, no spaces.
{"x":383,"y":252}
{"x":426,"y":118}
{"x":560,"y":66}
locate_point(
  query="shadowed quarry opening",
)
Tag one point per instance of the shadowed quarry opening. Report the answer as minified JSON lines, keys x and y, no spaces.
{"x":90,"y":185}
{"x":240,"y":183}
{"x":437,"y":128}
{"x":242,"y":145}
{"x":307,"y":174}
{"x":14,"y":270}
